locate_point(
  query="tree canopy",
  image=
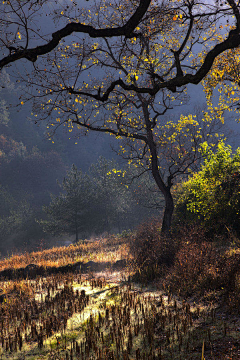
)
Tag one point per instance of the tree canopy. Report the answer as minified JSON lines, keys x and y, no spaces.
{"x":24,"y":27}
{"x":118,"y":68}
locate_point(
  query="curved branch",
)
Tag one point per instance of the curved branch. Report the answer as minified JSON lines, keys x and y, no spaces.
{"x":231,"y":42}
{"x":112,"y":86}
{"x":119,"y":133}
{"x":125,"y":30}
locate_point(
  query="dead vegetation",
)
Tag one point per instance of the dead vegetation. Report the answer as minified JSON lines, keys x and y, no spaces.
{"x":184,"y":305}
{"x":109,"y":249}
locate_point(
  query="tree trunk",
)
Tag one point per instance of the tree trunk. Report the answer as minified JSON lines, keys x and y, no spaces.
{"x":168,"y":212}
{"x":155,"y":169}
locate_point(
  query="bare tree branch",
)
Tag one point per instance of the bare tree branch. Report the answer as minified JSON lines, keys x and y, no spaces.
{"x":125,"y":30}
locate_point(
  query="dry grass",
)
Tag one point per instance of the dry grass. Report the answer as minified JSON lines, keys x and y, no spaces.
{"x":65,"y":317}
{"x":108,"y":249}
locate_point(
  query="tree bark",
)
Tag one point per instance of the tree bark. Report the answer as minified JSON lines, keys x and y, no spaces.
{"x":168,"y":212}
{"x":155,"y":169}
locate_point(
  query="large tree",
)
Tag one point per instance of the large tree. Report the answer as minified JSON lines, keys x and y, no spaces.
{"x":145,"y":54}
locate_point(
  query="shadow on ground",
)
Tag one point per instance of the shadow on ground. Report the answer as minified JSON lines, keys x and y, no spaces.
{"x":31,"y":271}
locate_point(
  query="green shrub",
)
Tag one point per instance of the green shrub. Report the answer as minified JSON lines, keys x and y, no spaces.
{"x":211,"y":197}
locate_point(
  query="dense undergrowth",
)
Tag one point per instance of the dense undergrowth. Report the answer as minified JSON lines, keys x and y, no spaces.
{"x":178,"y":298}
{"x":189,"y":263}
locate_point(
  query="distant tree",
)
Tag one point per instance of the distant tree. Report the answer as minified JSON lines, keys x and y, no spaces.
{"x":123,"y":196}
{"x":15,"y":225}
{"x":35,"y":172}
{"x":113,"y":198}
{"x":7,"y":202}
{"x":103,"y":199}
{"x":4,"y":113}
{"x":10,"y":148}
{"x":71,"y":211}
